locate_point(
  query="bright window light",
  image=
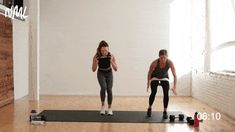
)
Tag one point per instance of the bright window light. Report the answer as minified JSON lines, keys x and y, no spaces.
{"x":180,"y":36}
{"x":222,"y":35}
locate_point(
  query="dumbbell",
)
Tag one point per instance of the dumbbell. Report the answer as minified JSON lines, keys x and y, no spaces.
{"x":32,"y":115}
{"x":190,"y":120}
{"x":35,"y":117}
{"x":38,"y":120}
{"x":180,"y":116}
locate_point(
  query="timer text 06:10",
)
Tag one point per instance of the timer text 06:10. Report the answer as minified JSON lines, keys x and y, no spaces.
{"x":208,"y":116}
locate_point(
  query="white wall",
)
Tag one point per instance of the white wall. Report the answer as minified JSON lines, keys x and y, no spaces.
{"x":71,"y":30}
{"x":34,"y":40}
{"x":20,"y":54}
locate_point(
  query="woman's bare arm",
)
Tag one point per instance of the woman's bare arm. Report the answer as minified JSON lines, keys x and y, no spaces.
{"x":174,"y":75}
{"x":95,"y":63}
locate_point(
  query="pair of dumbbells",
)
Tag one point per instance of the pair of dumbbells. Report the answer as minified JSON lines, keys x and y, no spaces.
{"x":173,"y":117}
{"x":189,"y":119}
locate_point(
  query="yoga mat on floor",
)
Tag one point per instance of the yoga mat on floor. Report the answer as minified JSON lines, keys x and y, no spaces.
{"x":118,"y":116}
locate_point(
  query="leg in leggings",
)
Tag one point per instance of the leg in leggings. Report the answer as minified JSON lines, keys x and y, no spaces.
{"x":154,"y":85}
{"x":103,"y":85}
{"x":165,"y":88}
{"x":109,"y":82}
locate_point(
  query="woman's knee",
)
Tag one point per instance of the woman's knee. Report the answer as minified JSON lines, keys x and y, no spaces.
{"x":102,"y":91}
{"x":109,"y":91}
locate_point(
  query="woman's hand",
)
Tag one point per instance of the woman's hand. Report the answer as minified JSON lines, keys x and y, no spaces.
{"x":147,"y":86}
{"x":96,"y":59}
{"x":174,"y":90}
{"x":112,"y":59}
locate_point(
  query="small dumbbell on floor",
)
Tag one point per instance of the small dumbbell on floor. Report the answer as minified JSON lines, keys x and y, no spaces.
{"x":36,"y":119}
{"x":190,"y":120}
{"x":173,"y":117}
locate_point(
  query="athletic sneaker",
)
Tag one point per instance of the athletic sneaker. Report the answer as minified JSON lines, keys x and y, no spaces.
{"x":149,"y":112}
{"x":102,"y":110}
{"x":165,"y":116}
{"x":110,"y":112}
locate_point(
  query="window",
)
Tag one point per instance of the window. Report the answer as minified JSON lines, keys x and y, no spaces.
{"x":222,"y":35}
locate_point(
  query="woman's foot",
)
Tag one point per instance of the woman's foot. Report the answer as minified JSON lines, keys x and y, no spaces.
{"x":165,"y":116}
{"x":110,"y":112}
{"x":102,"y":110}
{"x":149,"y":112}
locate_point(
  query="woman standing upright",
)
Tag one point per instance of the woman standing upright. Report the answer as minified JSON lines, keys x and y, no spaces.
{"x":106,"y":63}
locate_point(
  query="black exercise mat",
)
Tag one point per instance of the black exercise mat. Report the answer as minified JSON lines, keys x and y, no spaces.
{"x":118,"y":116}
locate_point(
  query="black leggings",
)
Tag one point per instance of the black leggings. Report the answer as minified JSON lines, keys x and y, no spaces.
{"x":106,"y":83}
{"x":165,"y":87}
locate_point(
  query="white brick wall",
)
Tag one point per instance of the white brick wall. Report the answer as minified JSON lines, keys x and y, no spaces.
{"x":216,"y":90}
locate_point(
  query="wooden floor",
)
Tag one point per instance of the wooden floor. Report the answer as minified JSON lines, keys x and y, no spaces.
{"x":14,"y":117}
